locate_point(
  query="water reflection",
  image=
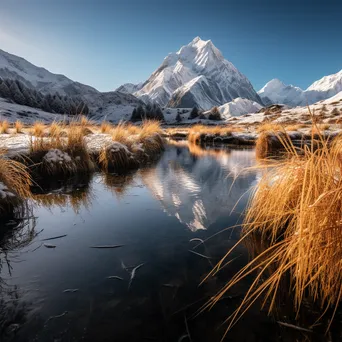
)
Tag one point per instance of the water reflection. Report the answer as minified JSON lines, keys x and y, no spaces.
{"x":199,"y":185}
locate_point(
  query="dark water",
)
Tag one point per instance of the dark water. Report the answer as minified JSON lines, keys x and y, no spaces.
{"x":153,"y":213}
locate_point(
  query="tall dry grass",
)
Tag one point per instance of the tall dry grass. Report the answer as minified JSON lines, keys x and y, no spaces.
{"x":296,"y":209}
{"x":16,"y":182}
{"x":38,"y":129}
{"x":18,"y":126}
{"x":105,"y":127}
{"x":4,"y":127}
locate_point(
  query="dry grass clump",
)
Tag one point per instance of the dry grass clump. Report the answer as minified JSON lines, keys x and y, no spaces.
{"x":295,"y":127}
{"x":60,"y":155}
{"x":18,"y":126}
{"x":319,"y":128}
{"x":269,"y":127}
{"x":132,"y":145}
{"x":297,"y":209}
{"x":15,"y":182}
{"x":38,"y":129}
{"x":199,"y":133}
{"x":4,"y":127}
{"x":271,"y":144}
{"x":105,"y":127}
{"x":117,"y":157}
{"x":55,"y":129}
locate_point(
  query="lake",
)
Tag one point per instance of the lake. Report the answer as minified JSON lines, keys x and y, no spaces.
{"x":147,"y":289}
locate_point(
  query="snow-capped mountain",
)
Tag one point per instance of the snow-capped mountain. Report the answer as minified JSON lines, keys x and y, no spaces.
{"x":276,"y":92}
{"x":111,"y":105}
{"x":239,"y":107}
{"x":196,"y":75}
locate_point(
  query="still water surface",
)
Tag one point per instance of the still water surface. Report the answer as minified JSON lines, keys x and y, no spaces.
{"x":153,"y":213}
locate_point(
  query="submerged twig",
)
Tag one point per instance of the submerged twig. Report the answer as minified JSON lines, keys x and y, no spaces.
{"x":70,"y":290}
{"x":197,"y":239}
{"x":199,"y":254}
{"x":107,"y":246}
{"x":54,"y":238}
{"x":288,"y":325}
{"x":114,"y":277}
{"x":57,"y":316}
{"x":187,"y":328}
{"x":49,"y":246}
{"x":133,"y":275}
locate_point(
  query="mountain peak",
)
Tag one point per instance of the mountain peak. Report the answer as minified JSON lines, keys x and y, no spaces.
{"x":199,"y":74}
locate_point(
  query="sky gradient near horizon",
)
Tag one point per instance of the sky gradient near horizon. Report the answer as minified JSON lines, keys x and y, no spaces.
{"x":107,"y":43}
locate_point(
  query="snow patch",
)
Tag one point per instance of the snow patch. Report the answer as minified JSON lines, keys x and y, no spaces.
{"x":56,"y":156}
{"x":5,"y":192}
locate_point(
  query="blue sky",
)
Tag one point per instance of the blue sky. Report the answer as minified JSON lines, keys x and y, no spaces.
{"x":107,"y":43}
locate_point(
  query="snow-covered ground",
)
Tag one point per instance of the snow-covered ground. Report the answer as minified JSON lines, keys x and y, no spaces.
{"x":28,"y":115}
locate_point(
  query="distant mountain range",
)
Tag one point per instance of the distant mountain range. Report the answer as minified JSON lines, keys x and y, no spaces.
{"x":276,"y":92}
{"x":195,"y":76}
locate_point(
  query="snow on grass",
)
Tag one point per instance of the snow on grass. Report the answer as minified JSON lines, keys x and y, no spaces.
{"x":5,"y":193}
{"x":56,"y":156}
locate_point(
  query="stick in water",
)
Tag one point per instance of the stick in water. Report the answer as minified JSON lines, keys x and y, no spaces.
{"x":114,"y":277}
{"x":49,"y":246}
{"x":54,"y":238}
{"x":58,"y":316}
{"x":197,"y":239}
{"x":293,"y":326}
{"x":70,"y":290}
{"x":133,"y":275}
{"x":199,"y":254}
{"x":107,"y":246}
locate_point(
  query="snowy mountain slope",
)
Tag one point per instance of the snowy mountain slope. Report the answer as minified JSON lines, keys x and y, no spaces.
{"x":212,"y":77}
{"x":12,"y":111}
{"x":14,"y":67}
{"x":239,"y":107}
{"x":112,"y":105}
{"x":326,"y":87}
{"x":198,"y":91}
{"x":130,"y":88}
{"x":276,"y":92}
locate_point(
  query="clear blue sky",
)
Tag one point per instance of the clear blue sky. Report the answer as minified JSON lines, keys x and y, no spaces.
{"x":107,"y":43}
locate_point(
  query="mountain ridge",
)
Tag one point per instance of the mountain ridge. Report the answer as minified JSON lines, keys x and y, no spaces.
{"x":276,"y":92}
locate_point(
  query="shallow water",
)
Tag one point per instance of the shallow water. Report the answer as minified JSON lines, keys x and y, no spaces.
{"x":153,"y":213}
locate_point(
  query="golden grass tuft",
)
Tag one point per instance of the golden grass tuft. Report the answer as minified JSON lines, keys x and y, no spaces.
{"x":131,"y":146}
{"x":198,"y":133}
{"x":38,"y":129}
{"x":16,"y":182}
{"x":4,"y":128}
{"x":55,"y":129}
{"x":105,"y":127}
{"x":296,"y":208}
{"x":117,"y":157}
{"x":18,"y":126}
{"x":269,"y":127}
